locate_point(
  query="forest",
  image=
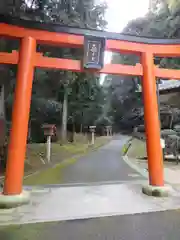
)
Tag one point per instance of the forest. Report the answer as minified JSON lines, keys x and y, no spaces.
{"x":74,"y":101}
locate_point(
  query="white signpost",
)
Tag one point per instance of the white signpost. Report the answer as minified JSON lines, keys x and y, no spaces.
{"x":162,"y":143}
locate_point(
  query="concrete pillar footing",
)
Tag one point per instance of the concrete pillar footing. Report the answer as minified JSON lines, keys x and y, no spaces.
{"x":12,"y":201}
{"x":157,"y":191}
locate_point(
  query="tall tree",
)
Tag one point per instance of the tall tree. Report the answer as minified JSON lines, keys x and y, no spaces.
{"x":78,"y":13}
{"x":162,"y":21}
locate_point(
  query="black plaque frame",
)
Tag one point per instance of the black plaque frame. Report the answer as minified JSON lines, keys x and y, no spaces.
{"x":100,"y":43}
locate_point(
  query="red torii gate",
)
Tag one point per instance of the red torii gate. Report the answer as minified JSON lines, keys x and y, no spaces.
{"x":27,"y":59}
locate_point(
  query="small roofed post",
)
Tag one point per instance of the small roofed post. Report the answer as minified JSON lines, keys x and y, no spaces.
{"x":49,"y":131}
{"x":92,"y":130}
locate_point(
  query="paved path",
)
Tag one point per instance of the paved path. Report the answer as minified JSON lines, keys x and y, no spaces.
{"x":171,"y":169}
{"x":105,"y":186}
{"x":99,"y":184}
{"x":103,"y":165}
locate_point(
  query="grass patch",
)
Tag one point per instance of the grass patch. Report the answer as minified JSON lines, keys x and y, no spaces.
{"x":52,"y":175}
{"x":35,"y":156}
{"x":137,"y":149}
{"x":24,"y":232}
{"x":75,"y":148}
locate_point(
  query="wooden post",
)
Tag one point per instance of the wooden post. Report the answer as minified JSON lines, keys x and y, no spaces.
{"x":107,"y":131}
{"x":48,"y":149}
{"x":49,"y":131}
{"x":92,"y":138}
{"x":20,"y":117}
{"x":152,"y":125}
{"x":92,"y":129}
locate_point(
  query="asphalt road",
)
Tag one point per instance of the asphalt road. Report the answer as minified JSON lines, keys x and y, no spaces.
{"x":158,"y":225}
{"x":104,"y":165}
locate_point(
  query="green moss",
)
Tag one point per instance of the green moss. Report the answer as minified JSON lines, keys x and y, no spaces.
{"x":23,"y":232}
{"x":137,"y":149}
{"x":75,"y":148}
{"x":49,"y":176}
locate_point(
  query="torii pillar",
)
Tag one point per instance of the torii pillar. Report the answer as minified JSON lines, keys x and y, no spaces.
{"x":156,"y":185}
{"x":13,"y":193}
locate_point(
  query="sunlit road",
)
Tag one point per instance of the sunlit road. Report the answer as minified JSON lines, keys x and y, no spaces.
{"x":103,"y":165}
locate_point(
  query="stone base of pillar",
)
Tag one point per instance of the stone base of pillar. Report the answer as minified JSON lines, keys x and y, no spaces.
{"x":12,"y":201}
{"x":157,"y":191}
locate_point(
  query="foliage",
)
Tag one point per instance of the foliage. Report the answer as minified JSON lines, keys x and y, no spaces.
{"x":85,"y":100}
{"x":83,"y":89}
{"x":162,"y":21}
{"x":162,"y":24}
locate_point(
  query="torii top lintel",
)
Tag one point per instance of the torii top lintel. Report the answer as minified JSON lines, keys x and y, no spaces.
{"x":55,"y":34}
{"x":43,"y":32}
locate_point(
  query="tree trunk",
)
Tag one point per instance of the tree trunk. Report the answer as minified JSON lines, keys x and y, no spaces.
{"x":2,"y":117}
{"x":64,"y":117}
{"x":81,"y":127}
{"x":3,"y":145}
